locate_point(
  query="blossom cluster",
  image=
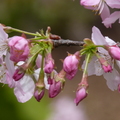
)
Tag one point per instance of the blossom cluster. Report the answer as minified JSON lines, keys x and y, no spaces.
{"x":27,"y":65}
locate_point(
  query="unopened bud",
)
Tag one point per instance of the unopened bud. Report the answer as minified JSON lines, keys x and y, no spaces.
{"x":38,"y":95}
{"x":49,"y":64}
{"x":107,"y":68}
{"x":80,"y":95}
{"x":70,"y":65}
{"x":114,"y":52}
{"x":18,"y":74}
{"x":55,"y":89}
{"x":19,"y":48}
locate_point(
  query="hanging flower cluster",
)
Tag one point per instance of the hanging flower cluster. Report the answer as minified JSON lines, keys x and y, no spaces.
{"x":27,"y":65}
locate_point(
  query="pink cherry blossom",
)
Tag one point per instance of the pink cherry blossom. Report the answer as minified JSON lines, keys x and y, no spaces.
{"x":101,"y":6}
{"x":19,"y":48}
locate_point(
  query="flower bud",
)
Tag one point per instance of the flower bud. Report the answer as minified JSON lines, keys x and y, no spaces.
{"x":19,"y":48}
{"x":70,"y":65}
{"x":105,"y":65}
{"x":38,"y":95}
{"x":49,"y":67}
{"x":115,"y":52}
{"x":50,"y":81}
{"x":18,"y":74}
{"x":80,"y":95}
{"x":55,"y":88}
{"x":49,"y":64}
{"x":107,"y":68}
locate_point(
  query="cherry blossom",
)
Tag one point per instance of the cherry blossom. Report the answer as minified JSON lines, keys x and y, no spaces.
{"x":101,"y":6}
{"x":94,"y":66}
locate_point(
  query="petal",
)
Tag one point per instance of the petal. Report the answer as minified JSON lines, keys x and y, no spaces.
{"x":89,"y":2}
{"x":110,"y":41}
{"x":113,"y":79}
{"x":98,"y":68}
{"x":24,"y":89}
{"x":105,"y":12}
{"x":113,"y":3}
{"x":10,"y":71}
{"x":111,"y":19}
{"x":3,"y":34}
{"x":97,"y":37}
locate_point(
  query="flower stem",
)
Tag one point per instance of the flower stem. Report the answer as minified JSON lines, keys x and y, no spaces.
{"x":22,"y":31}
{"x":86,"y":64}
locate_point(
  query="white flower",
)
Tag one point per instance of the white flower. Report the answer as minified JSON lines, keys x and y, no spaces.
{"x":95,"y":68}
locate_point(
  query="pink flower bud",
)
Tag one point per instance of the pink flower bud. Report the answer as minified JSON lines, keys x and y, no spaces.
{"x":50,"y":81}
{"x":19,"y":48}
{"x":107,"y":68}
{"x":49,"y":64}
{"x":54,"y":89}
{"x":115,"y":52}
{"x":70,"y":65}
{"x":38,"y":95}
{"x":105,"y":65}
{"x":49,"y":67}
{"x":18,"y":74}
{"x":80,"y":95}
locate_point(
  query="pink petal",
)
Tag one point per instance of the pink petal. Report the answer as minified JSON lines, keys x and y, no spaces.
{"x":89,"y":2}
{"x":105,"y":12}
{"x":113,"y":3}
{"x":10,"y":71}
{"x":111,"y":19}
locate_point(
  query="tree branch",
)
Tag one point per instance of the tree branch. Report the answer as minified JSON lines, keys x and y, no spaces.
{"x":62,"y":42}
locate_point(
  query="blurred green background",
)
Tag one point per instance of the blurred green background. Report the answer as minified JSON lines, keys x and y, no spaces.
{"x":71,"y":21}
